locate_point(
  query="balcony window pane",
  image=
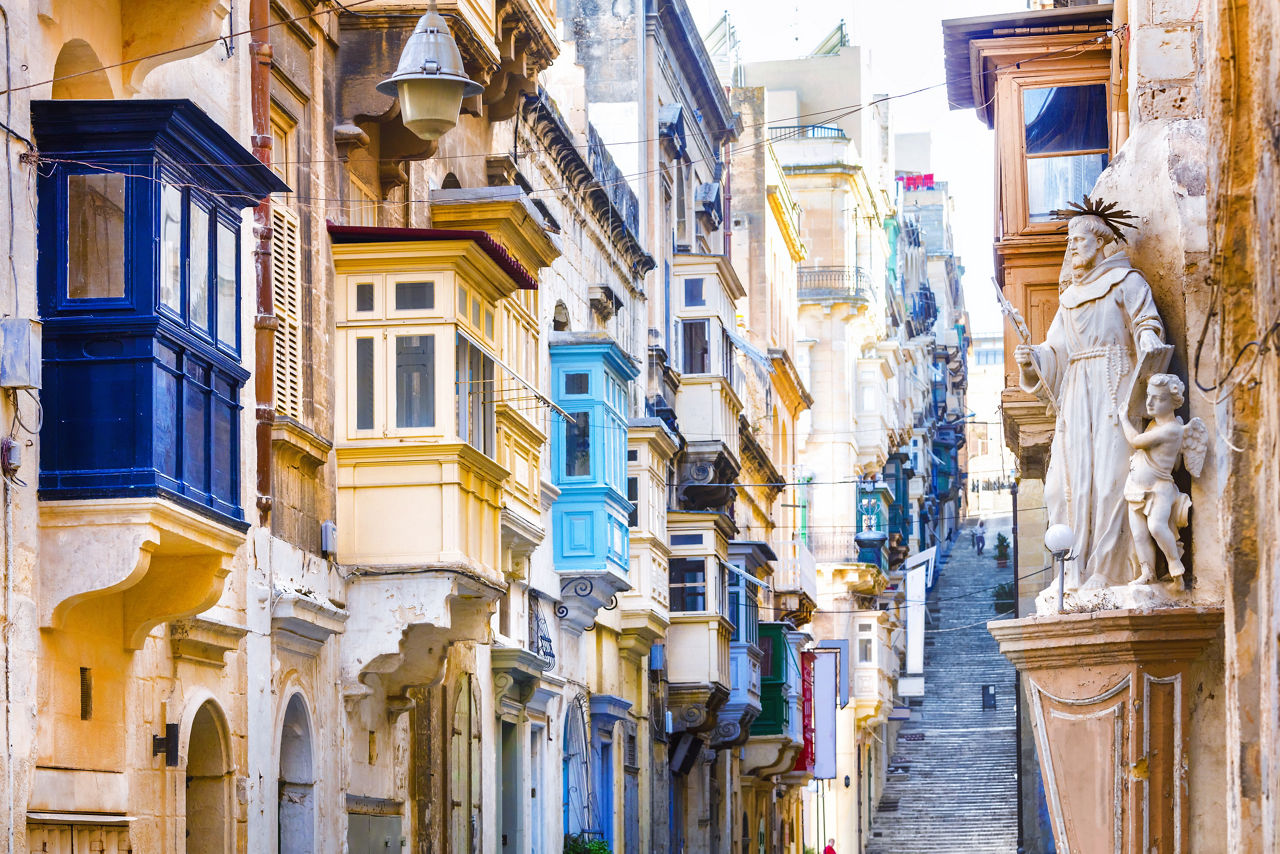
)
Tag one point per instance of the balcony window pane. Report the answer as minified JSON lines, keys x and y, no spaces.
{"x":171,"y":247}
{"x":577,"y":445}
{"x":415,"y":381}
{"x":688,"y":584}
{"x":410,"y":296}
{"x":693,"y":295}
{"x":633,"y":495}
{"x":1065,"y":118}
{"x":364,"y":383}
{"x":1054,"y":181}
{"x":576,"y":383}
{"x":864,"y":651}
{"x":475,"y":397}
{"x":697,"y":350}
{"x":228,"y":264}
{"x":364,"y":296}
{"x":95,"y":236}
{"x":198,"y":290}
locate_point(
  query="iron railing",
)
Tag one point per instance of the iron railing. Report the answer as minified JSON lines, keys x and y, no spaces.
{"x":779,"y":133}
{"x":838,"y":281}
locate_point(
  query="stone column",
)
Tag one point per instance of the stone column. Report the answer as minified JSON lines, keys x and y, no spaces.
{"x":1109,"y":695}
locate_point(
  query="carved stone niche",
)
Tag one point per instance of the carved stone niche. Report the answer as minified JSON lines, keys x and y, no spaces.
{"x":1109,"y":695}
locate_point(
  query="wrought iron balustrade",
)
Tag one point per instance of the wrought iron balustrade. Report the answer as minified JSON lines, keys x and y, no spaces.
{"x":780,"y":133}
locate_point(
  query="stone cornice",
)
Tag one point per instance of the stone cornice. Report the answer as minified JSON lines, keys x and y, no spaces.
{"x":1107,"y":637}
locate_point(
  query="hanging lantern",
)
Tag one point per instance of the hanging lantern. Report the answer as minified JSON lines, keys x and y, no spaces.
{"x":430,"y":80}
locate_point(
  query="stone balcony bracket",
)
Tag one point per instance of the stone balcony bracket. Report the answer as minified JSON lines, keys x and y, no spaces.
{"x":695,"y":707}
{"x":204,"y":641}
{"x":304,"y":620}
{"x":1110,"y":697}
{"x":517,"y":674}
{"x":403,"y":622}
{"x":641,"y":627}
{"x":583,"y":594}
{"x":152,"y":558}
{"x":765,"y":756}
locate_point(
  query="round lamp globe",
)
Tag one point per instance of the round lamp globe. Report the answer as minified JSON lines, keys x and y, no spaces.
{"x":1059,"y":539}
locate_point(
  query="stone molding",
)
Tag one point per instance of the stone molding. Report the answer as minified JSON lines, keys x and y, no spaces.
{"x":1109,"y":704}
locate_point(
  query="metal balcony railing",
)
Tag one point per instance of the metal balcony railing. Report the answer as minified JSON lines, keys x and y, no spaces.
{"x":780,"y":133}
{"x":797,"y":569}
{"x":837,"y":281}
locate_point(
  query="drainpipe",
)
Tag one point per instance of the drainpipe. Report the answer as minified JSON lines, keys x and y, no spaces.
{"x":264,"y":322}
{"x":1017,"y":679}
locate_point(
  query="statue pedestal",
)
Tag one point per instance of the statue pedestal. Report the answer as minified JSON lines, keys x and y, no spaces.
{"x":1126,"y":597}
{"x":1108,"y":700}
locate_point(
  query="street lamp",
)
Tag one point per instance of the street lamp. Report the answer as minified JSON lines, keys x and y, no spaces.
{"x":430,"y":80}
{"x":1058,"y":540}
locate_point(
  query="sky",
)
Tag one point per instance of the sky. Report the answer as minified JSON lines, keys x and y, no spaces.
{"x":905,"y":39}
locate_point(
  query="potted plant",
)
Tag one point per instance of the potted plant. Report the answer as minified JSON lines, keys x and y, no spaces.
{"x":584,"y":843}
{"x":1003,"y":599}
{"x":1002,"y":550}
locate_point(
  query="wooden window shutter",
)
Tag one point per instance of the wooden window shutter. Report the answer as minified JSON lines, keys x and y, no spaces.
{"x":286,"y":287}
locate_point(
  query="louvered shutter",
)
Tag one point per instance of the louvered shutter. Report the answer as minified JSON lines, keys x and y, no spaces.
{"x":286,"y":288}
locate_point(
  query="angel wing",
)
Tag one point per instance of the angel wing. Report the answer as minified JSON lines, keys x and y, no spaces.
{"x":1195,"y":445}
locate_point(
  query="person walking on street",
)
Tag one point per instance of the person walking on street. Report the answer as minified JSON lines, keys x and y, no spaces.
{"x":831,"y":847}
{"x":980,"y":536}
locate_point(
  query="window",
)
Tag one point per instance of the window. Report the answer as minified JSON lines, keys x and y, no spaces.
{"x":410,"y":296}
{"x":362,"y":208}
{"x":577,"y":445}
{"x":284,"y":148}
{"x":364,"y":296}
{"x":633,"y":495}
{"x":577,"y":383}
{"x":415,"y":381}
{"x":95,"y":236}
{"x":864,"y":651}
{"x":364,"y":384}
{"x":688,"y":584}
{"x":171,"y":247}
{"x":693,"y":295}
{"x":697,"y":347}
{"x":475,"y":397}
{"x":726,"y":357}
{"x":286,"y":293}
{"x":744,"y":608}
{"x":1066,"y":144}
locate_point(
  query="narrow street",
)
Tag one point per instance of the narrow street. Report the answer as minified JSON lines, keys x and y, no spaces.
{"x":951,"y":785}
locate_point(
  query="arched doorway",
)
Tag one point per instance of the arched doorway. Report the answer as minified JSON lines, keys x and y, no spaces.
{"x":209,"y":813}
{"x":465,"y":768}
{"x":576,"y":770}
{"x":296,"y":813}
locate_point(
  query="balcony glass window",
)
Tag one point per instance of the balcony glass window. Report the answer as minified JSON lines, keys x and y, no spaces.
{"x":744,"y":608}
{"x":688,"y":584}
{"x":138,"y":269}
{"x":697,"y":347}
{"x":577,"y":445}
{"x":1066,"y":144}
{"x":864,"y":651}
{"x":475,"y":399}
{"x":410,"y":296}
{"x":693,"y":293}
{"x":577,"y":383}
{"x":415,"y":381}
{"x":95,"y":236}
{"x":364,"y":297}
{"x":633,"y":495}
{"x":364,"y":384}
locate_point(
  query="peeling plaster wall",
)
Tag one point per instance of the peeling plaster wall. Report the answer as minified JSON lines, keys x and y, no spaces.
{"x":1241,"y":103}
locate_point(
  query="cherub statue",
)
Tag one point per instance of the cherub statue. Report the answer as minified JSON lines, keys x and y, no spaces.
{"x":1157,"y":509}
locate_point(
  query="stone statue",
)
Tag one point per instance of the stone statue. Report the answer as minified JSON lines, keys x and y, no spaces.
{"x":1105,"y":328}
{"x":1157,"y":508}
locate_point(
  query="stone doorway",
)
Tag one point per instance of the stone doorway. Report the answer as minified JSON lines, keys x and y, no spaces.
{"x":209,"y":811}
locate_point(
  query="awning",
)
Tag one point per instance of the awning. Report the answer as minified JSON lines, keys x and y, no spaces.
{"x":746,"y":576}
{"x":752,"y":352}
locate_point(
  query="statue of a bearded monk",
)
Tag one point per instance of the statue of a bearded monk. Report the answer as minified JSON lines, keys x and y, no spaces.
{"x":1106,"y":322}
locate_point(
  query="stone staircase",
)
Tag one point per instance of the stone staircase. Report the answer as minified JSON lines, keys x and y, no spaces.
{"x":951,"y":785}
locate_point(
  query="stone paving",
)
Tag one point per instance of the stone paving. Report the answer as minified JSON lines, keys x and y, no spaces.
{"x":952,"y":787}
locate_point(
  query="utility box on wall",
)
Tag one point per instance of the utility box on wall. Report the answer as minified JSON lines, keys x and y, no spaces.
{"x":373,"y":834}
{"x":19,"y":352}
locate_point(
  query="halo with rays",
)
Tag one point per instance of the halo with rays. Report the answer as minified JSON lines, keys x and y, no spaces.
{"x":1109,"y":212}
